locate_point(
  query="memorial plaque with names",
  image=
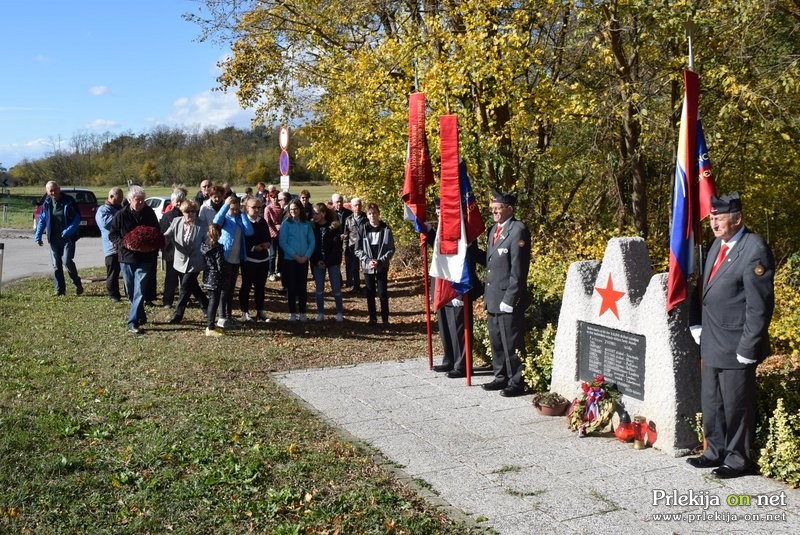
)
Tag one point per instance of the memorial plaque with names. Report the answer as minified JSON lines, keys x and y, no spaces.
{"x":617,"y":355}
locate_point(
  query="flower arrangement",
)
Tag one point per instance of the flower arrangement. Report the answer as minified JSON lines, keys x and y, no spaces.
{"x":593,"y":409}
{"x":143,"y":239}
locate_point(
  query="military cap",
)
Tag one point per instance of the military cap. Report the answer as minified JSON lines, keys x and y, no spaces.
{"x":726,"y":204}
{"x":504,"y":197}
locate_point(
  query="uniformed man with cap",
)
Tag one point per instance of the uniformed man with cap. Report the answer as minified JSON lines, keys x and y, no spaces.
{"x":508,"y":257}
{"x":737,"y":304}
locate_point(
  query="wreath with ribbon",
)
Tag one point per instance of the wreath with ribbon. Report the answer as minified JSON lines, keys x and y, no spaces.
{"x":593,"y":409}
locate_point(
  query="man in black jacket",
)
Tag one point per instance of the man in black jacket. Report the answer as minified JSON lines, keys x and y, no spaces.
{"x":138,"y":237}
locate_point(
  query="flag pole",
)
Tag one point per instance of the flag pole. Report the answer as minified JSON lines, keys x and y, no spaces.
{"x":468,"y":337}
{"x":690,"y":28}
{"x":426,"y":281}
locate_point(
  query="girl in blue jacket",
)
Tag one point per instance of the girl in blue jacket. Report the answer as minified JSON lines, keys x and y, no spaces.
{"x":296,"y":238}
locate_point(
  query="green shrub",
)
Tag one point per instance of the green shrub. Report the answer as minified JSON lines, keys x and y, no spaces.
{"x":538,"y":369}
{"x":780,"y":458}
{"x":785,"y":327}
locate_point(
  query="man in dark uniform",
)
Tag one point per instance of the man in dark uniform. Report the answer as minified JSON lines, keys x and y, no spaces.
{"x":508,"y":258}
{"x":738,"y":300}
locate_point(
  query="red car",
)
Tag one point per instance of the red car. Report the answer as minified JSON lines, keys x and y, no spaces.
{"x":87,"y":204}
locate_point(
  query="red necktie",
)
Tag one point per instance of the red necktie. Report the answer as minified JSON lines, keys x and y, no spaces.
{"x":497,"y":233}
{"x":723,"y":251}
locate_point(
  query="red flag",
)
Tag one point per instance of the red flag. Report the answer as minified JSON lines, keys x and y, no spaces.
{"x":449,"y":190}
{"x":419,"y":172}
{"x":694,"y":185}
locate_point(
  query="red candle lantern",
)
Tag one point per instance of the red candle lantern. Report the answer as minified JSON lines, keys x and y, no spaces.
{"x":624,"y":431}
{"x":639,"y":432}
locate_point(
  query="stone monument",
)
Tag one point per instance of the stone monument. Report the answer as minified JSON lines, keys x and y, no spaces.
{"x":614,"y":322}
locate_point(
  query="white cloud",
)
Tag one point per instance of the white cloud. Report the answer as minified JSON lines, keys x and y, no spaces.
{"x":98,"y":90}
{"x":102,"y":125}
{"x":210,"y":109}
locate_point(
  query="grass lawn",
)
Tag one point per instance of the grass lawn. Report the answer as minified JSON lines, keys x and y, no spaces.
{"x":105,"y":432}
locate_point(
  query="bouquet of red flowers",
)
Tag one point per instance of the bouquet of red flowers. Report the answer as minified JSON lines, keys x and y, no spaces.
{"x":143,"y":239}
{"x":593,"y":409}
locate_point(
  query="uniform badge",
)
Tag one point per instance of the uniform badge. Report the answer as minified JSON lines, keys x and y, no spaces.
{"x":759,"y":270}
{"x":501,"y":251}
{"x":521,"y":243}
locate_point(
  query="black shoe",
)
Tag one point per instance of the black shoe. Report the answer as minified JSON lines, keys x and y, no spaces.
{"x":114,"y":298}
{"x":495,"y":385}
{"x":512,"y":391}
{"x":79,"y":290}
{"x":174,"y":320}
{"x":149,"y":304}
{"x":443,"y":367}
{"x":59,"y":294}
{"x":703,"y":462}
{"x":726,"y":472}
{"x":456,"y":374}
{"x":135,"y":330}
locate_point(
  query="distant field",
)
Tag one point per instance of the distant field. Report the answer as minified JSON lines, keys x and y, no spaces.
{"x":19,"y":212}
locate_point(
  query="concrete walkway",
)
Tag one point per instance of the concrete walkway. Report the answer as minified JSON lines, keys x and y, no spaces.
{"x":513,"y":471}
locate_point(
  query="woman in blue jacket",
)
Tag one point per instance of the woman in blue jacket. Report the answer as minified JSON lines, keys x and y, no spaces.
{"x":234,"y":227}
{"x":296,"y":238}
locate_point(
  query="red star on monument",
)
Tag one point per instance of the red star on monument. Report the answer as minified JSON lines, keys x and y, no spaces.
{"x":610,"y":297}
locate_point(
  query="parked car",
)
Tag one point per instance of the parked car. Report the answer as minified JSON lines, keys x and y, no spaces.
{"x":158,"y":204}
{"x":87,"y":205}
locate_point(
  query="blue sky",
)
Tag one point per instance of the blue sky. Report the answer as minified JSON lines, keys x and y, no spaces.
{"x":94,"y":66}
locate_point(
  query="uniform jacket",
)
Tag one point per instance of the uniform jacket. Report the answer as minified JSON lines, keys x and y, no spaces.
{"x":72,"y":219}
{"x":187,"y":256}
{"x":738,"y":303}
{"x":385,"y":248}
{"x":507,"y":264}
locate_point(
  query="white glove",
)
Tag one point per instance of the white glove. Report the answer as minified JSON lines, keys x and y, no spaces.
{"x":744,"y":360}
{"x":696,"y":330}
{"x":457,"y":302}
{"x":506,"y":308}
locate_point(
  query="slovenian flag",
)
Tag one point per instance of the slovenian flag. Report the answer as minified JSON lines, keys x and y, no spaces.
{"x":419,"y":172}
{"x":460,"y":220}
{"x":691,"y":198}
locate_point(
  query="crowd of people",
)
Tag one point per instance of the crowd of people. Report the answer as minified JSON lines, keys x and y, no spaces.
{"x":268,"y":235}
{"x":237,"y":244}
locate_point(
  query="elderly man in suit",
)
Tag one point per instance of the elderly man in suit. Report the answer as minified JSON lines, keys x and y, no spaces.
{"x":738,"y":300}
{"x":508,"y":258}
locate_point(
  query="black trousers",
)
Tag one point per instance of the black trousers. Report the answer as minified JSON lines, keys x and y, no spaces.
{"x":296,"y":278}
{"x":189,"y":287}
{"x":451,"y":333}
{"x":230,"y":272}
{"x":377,"y":283}
{"x":112,"y":276}
{"x":214,"y":297}
{"x":352,"y":268}
{"x":254,"y":277}
{"x":172,"y":278}
{"x":728,"y":400}
{"x":507,"y":340}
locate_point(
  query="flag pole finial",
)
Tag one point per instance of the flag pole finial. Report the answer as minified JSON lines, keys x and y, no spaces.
{"x":690,"y":27}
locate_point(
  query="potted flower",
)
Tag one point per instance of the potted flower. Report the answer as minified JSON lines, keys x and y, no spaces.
{"x":550,"y":403}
